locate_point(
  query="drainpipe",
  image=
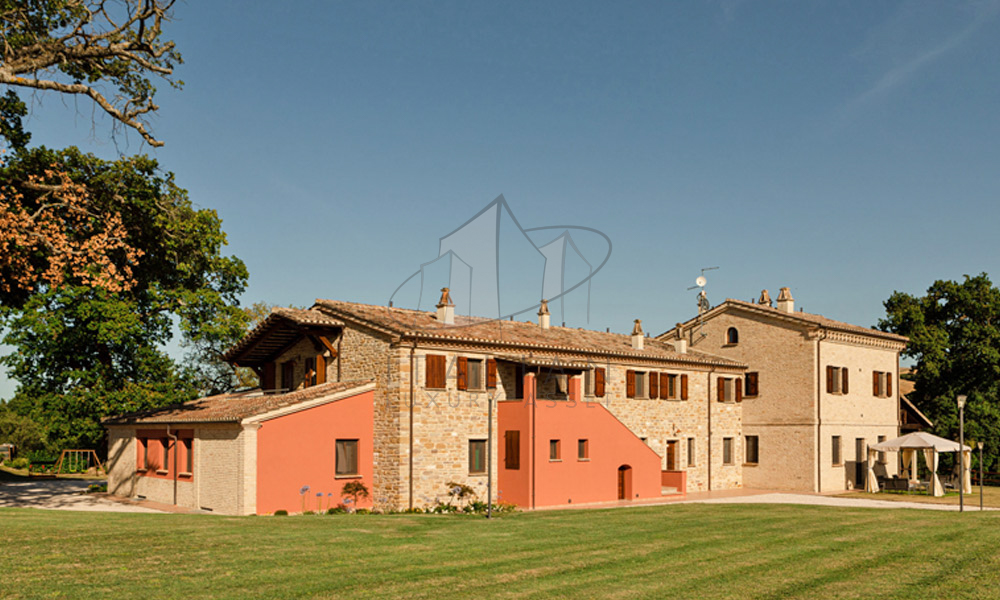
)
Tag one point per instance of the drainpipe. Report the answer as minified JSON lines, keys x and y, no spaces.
{"x":174,"y":438}
{"x":534,"y":404}
{"x":709,"y":390}
{"x":819,"y":416}
{"x":413,"y":377}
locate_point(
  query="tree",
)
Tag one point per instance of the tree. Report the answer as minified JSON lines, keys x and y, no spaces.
{"x":76,"y":47}
{"x":954,"y":333}
{"x":85,"y":351}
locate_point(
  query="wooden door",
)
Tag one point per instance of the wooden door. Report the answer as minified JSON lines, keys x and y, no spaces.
{"x":624,"y":482}
{"x":671,"y":455}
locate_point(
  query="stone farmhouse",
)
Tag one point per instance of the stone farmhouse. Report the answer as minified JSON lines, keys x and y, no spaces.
{"x":412,"y":402}
{"x":817,"y":392}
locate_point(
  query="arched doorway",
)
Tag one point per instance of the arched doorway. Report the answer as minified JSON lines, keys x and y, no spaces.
{"x":624,"y":482}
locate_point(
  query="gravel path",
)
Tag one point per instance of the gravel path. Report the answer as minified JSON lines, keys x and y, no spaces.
{"x":60,"y":494}
{"x":781,"y":498}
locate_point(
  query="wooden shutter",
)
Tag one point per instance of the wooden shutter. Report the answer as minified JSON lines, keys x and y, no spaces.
{"x":463,"y":373}
{"x":434,"y":371}
{"x":599,"y":382}
{"x":512,"y":450}
{"x":267,"y":379}
{"x":654,"y":385}
{"x":684,"y":387}
{"x":875,"y":386}
{"x":829,"y":380}
{"x":888,"y":385}
{"x":739,"y":390}
{"x":720,"y":389}
{"x":665,"y":386}
{"x":843,"y":387}
{"x":752,"y":384}
{"x":491,"y":373}
{"x":320,"y":369}
{"x":630,"y":384}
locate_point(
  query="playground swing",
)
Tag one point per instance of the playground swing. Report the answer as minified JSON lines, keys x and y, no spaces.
{"x":77,"y":461}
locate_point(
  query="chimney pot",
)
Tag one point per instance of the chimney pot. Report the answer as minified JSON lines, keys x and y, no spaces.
{"x":544,"y":316}
{"x":786,"y":303}
{"x":637,"y":335}
{"x":446,"y":308}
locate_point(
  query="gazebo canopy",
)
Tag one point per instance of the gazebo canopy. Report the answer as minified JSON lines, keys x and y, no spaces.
{"x":918,"y":440}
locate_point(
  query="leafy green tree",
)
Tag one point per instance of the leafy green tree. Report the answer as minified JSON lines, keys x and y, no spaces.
{"x":954,"y":333}
{"x":85,"y":351}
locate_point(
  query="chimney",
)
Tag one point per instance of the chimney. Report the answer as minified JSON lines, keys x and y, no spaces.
{"x":765,"y":298}
{"x":637,"y":335}
{"x":680,"y":344}
{"x":543,"y":315}
{"x":446,"y":308}
{"x":785,"y":301}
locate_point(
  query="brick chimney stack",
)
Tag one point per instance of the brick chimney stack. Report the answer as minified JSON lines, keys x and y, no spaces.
{"x":786,"y":303}
{"x":446,"y":308}
{"x":637,"y":335}
{"x":544,"y":317}
{"x":680,"y":344}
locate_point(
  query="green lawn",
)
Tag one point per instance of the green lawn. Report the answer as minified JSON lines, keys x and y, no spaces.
{"x":687,"y":551}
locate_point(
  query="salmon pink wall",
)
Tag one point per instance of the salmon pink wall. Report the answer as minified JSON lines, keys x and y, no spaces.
{"x":571,"y":480}
{"x":298,"y":449}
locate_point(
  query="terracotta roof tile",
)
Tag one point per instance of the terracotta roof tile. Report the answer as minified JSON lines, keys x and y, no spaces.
{"x":404,"y":322}
{"x":233,"y":408}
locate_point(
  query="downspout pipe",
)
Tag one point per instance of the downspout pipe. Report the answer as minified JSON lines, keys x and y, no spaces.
{"x":174,"y":438}
{"x":711,"y":375}
{"x":413,"y":377}
{"x":819,"y":415}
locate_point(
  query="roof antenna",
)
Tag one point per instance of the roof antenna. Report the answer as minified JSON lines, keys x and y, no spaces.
{"x":703,"y":304}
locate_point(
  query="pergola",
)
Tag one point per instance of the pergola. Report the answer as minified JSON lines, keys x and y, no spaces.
{"x":931,"y":445}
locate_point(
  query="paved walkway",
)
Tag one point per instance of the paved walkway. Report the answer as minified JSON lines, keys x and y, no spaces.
{"x":61,"y":494}
{"x":812,"y":499}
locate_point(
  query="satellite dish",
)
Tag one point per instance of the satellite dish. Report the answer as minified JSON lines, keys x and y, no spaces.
{"x":700,"y":281}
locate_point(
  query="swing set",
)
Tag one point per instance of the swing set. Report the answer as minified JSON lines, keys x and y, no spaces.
{"x":78,"y":461}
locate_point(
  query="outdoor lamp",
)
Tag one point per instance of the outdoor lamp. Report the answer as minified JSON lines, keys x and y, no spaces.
{"x":961,"y":400}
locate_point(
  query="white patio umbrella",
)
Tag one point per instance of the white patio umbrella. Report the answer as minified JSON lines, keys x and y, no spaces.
{"x":909,"y":444}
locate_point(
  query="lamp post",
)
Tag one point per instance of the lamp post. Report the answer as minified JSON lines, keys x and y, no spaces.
{"x":980,"y":444}
{"x":961,"y":452}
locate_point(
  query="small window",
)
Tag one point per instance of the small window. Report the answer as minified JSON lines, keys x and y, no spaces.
{"x":836,"y":380}
{"x":753,"y":449}
{"x":165,"y":444}
{"x":583,"y":449}
{"x":729,"y":390}
{"x":881,"y":455}
{"x":475,"y":374}
{"x":640,"y":384}
{"x":881,"y":384}
{"x":347,"y":458}
{"x":555,"y":452}
{"x":727,"y":451}
{"x":588,"y":382}
{"x":188,"y":455}
{"x":143,"y":453}
{"x":668,"y":387}
{"x":287,"y":375}
{"x":751,"y":385}
{"x":477,"y":457}
{"x":836,"y":451}
{"x":512,"y":450}
{"x":690,"y":452}
{"x":434,"y":375}
{"x":732,"y":336}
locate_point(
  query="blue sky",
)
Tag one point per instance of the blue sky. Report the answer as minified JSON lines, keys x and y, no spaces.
{"x":843,"y":149}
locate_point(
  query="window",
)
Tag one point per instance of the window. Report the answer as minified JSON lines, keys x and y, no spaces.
{"x":143,"y":453}
{"x":727,"y":451}
{"x":165,"y":444}
{"x":588,"y":382}
{"x":753,"y":449}
{"x":555,"y":452}
{"x":881,"y":384}
{"x":287,"y":375}
{"x":310,"y":378}
{"x":751,"y":384}
{"x":477,"y":457}
{"x":188,"y":455}
{"x":434,"y":371}
{"x":668,"y":386}
{"x":347,"y":458}
{"x":881,"y":455}
{"x":728,"y":390}
{"x":671,"y":455}
{"x":836,"y":451}
{"x":732,"y":336}
{"x":470,"y":374}
{"x":583,"y":449}
{"x":690,"y":452}
{"x":512,"y":450}
{"x":836,"y":380}
{"x":640,"y":385}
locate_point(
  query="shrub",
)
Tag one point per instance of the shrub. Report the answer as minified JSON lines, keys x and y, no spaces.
{"x":336,"y":510}
{"x":309,"y":512}
{"x":355,"y":489}
{"x":416,"y":510}
{"x":97,"y":487}
{"x":460,"y":492}
{"x":281,"y":513}
{"x":18,"y":463}
{"x":361,"y":511}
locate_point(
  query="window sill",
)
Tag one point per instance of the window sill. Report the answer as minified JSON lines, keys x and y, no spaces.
{"x":555,"y":460}
{"x":730,"y":345}
{"x":435,"y":388}
{"x":355,"y":476}
{"x":837,"y":464}
{"x":748,"y":464}
{"x":583,"y":460}
{"x":746,"y":396}
{"x":162,"y":472}
{"x":483,"y":474}
{"x":186,"y":475}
